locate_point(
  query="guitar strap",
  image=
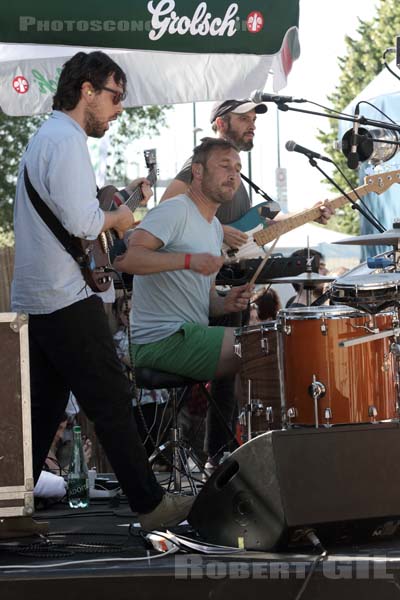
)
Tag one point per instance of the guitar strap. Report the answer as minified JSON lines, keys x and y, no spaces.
{"x":70,"y":242}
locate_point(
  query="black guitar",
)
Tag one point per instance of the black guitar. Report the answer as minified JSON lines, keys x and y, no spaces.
{"x":96,"y":271}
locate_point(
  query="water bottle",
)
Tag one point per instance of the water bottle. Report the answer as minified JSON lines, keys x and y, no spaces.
{"x":78,"y":478}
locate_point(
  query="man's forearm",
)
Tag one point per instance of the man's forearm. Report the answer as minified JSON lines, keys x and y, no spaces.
{"x":138,"y":260}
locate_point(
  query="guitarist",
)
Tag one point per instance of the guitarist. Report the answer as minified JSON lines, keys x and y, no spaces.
{"x":235,"y":121}
{"x":71,"y":346}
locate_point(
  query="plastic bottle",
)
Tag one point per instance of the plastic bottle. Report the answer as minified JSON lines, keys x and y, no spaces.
{"x":78,"y":478}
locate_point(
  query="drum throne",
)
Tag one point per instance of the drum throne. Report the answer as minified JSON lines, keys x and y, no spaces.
{"x":177,"y":446}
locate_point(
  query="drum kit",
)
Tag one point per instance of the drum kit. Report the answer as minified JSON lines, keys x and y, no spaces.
{"x":329,"y":365}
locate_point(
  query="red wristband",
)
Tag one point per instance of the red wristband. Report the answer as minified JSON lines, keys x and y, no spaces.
{"x":187,"y":261}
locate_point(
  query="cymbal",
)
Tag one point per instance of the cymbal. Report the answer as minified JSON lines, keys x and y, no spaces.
{"x":304,"y":279}
{"x":391,"y":237}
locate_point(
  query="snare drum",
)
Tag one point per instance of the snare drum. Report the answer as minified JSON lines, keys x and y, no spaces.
{"x":359,"y":381}
{"x":257,"y":347}
{"x":371,"y":293}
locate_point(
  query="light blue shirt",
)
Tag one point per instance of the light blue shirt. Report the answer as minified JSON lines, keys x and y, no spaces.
{"x":162,"y":302}
{"x":46,"y":277}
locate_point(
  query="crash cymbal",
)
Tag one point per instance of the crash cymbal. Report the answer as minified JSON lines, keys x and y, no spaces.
{"x":387,"y":238}
{"x":304,"y":279}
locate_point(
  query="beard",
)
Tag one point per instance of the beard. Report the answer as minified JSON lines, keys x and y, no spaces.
{"x":93,"y":127}
{"x":238,"y":140}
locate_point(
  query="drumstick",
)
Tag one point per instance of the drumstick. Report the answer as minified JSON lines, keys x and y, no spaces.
{"x":262,"y":263}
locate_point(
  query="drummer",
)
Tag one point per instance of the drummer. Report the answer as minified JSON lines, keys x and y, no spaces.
{"x":300,"y":299}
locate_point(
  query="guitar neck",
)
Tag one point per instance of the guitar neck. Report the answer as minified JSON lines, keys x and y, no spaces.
{"x":278,"y":228}
{"x":137,"y":195}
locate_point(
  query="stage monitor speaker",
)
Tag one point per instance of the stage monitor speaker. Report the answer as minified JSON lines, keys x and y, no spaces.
{"x":283,"y":483}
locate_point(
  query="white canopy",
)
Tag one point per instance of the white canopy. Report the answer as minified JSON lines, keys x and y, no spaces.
{"x":29,"y":74}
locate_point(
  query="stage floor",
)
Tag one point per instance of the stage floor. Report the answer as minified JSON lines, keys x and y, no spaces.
{"x":99,"y":553}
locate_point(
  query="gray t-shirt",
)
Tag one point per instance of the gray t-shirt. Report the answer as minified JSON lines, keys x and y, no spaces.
{"x":229,"y":212}
{"x":162,"y":302}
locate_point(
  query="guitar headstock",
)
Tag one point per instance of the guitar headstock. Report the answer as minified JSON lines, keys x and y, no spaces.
{"x":381,"y":182}
{"x":150,"y":156}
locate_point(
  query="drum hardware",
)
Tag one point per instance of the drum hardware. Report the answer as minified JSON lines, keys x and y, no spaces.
{"x":269,"y":415}
{"x":264,"y":342}
{"x":372,"y":413}
{"x":317,"y":390}
{"x":369,"y":338}
{"x":395,"y":349}
{"x":324,"y":327}
{"x":237,"y":347}
{"x":328,"y":417}
{"x":370,"y":328}
{"x":291,"y":414}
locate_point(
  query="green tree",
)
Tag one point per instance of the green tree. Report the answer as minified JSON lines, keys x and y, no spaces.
{"x":14,"y":135}
{"x":361,"y":63}
{"x":16,"y":131}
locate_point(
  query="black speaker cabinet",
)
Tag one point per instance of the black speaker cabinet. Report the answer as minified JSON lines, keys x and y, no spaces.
{"x":287,"y":480}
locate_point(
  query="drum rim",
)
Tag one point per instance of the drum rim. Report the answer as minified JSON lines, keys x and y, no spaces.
{"x":263,"y":326}
{"x":318,"y":312}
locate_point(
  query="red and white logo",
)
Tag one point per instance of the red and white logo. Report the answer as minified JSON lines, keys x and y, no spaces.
{"x":255,"y":22}
{"x":20,"y":84}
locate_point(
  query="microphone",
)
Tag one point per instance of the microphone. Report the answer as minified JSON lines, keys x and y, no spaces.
{"x":291,"y":146}
{"x":258,"y":96}
{"x":353,"y":157}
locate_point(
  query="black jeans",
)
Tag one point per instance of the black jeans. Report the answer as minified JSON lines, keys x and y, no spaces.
{"x":72,"y":349}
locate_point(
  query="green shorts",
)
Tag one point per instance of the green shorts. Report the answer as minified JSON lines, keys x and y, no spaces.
{"x":193,"y":352}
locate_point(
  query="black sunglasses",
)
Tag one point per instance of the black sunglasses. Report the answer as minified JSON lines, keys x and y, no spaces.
{"x":118,"y":96}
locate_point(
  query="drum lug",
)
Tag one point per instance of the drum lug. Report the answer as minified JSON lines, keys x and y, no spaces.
{"x":324,"y":328}
{"x":237,"y":347}
{"x":372,"y":413}
{"x":269,"y":415}
{"x":328,"y":417}
{"x":395,"y":349}
{"x":265,"y":345}
{"x":291,"y":414}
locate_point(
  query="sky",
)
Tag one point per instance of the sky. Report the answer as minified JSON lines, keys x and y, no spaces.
{"x":322,"y":30}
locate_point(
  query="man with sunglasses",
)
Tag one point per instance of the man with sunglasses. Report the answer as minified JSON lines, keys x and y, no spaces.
{"x":71,"y":347}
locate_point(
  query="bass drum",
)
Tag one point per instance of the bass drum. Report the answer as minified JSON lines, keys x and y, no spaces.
{"x":359,"y":381}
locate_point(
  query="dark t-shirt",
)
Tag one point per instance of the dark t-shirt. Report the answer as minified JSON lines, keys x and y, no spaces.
{"x":229,"y":212}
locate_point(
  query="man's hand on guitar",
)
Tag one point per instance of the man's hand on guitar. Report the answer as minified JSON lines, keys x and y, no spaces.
{"x":326,"y":212}
{"x":145,"y":186}
{"x":234,"y":237}
{"x":120,"y":220}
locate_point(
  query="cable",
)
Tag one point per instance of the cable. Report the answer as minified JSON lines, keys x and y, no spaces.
{"x":378,"y":110}
{"x":311,"y":536}
{"x":90,"y":561}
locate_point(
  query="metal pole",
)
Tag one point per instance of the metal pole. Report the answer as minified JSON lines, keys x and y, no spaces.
{"x":250,"y":177}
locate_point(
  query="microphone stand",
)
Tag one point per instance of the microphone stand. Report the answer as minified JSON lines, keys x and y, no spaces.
{"x":356,"y":206}
{"x":361,"y":119}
